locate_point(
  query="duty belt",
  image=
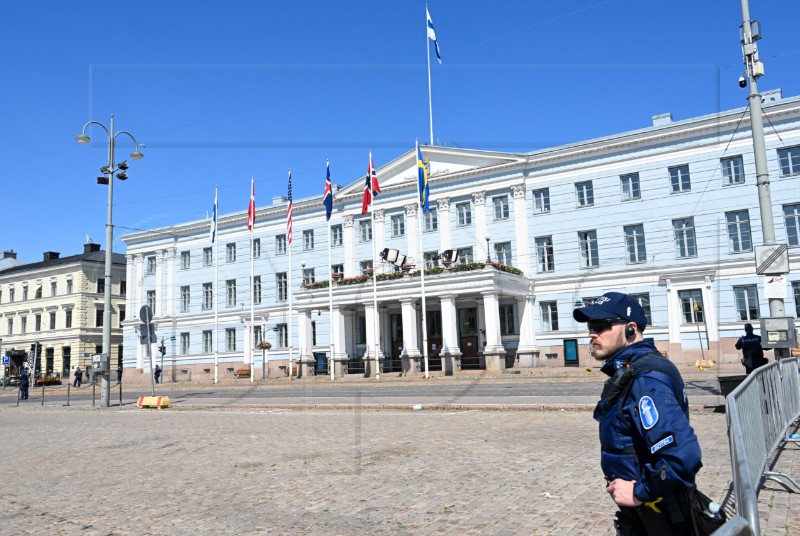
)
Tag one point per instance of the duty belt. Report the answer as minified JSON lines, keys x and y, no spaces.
{"x":614,"y":450}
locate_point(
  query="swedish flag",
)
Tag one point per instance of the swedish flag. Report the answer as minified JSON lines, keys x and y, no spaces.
{"x":424,"y":191}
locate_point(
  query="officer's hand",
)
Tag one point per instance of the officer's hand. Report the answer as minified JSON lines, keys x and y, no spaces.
{"x":622,"y":492}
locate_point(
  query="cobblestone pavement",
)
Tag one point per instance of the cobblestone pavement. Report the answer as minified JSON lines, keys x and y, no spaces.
{"x":121,"y":471}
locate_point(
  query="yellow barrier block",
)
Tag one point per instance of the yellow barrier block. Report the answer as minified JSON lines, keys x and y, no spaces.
{"x":153,"y":402}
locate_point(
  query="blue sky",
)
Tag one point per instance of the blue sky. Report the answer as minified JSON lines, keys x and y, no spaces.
{"x":222,"y":91}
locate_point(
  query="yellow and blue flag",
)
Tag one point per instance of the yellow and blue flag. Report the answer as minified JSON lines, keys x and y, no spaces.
{"x":424,"y":190}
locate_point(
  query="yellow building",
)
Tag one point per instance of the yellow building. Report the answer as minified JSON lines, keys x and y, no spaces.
{"x":58,"y":303}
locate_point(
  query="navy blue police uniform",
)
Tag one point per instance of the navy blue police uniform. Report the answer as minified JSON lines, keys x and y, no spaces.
{"x":23,"y":385}
{"x":752,"y":352}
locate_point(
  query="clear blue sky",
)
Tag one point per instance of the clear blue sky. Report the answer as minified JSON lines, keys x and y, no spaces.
{"x":222,"y":91}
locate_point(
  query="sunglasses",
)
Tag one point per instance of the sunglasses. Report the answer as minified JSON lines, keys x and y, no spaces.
{"x":600,"y":326}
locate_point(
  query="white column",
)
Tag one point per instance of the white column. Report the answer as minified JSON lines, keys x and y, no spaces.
{"x":338,"y":334}
{"x":451,"y":353}
{"x":130,"y":302}
{"x":372,"y":340}
{"x":170,"y":291}
{"x":138,"y":284}
{"x":411,"y":353}
{"x":479,"y":202}
{"x":443,"y":214}
{"x":160,"y":294}
{"x":522,"y":259}
{"x":494,"y":352}
{"x":412,"y":232}
{"x":304,"y":341}
{"x":348,"y":241}
{"x":527,"y":351}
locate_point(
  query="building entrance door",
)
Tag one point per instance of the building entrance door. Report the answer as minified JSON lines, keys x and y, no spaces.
{"x":394,"y":362}
{"x":468,"y":337}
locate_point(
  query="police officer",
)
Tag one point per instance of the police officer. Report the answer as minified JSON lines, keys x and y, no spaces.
{"x":752,"y":353}
{"x":649,"y":452}
{"x":78,"y":377}
{"x":23,"y":384}
{"x":157,"y":374}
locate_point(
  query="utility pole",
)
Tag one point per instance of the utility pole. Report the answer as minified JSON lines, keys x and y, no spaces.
{"x":754,"y":69}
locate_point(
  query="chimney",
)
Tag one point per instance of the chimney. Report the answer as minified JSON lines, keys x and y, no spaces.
{"x":90,"y":248}
{"x":10,"y":254}
{"x":662,"y":119}
{"x":50,"y":255}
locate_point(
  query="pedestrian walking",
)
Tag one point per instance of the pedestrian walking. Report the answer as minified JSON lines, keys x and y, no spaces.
{"x":23,"y":384}
{"x":119,"y":374}
{"x":78,"y":377}
{"x":649,"y":452}
{"x":752,"y":352}
{"x":157,"y":374}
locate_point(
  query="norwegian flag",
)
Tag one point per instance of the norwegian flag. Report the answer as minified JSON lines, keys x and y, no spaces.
{"x":327,"y":195}
{"x":371,"y":188}
{"x":289,"y":213}
{"x":251,"y":208}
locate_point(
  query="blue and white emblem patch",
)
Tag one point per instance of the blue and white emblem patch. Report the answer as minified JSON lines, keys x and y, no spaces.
{"x":661,"y":444}
{"x":648,"y":412}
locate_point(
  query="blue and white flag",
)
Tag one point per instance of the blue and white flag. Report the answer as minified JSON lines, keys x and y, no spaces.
{"x":432,"y":35}
{"x":213,"y":232}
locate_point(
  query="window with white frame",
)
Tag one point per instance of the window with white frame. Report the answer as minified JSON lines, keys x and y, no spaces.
{"x":151,"y":300}
{"x":507,"y":326}
{"x":430,"y":258}
{"x":53,"y":289}
{"x":464,"y":255}
{"x":584,"y":191}
{"x":732,"y":170}
{"x":502,"y":252}
{"x":208,"y":256}
{"x":630,"y":187}
{"x":739,"y":238}
{"x":365,"y":230}
{"x":208,"y":342}
{"x":52,"y":320}
{"x":366,"y":267}
{"x":282,"y":286}
{"x":186,"y":260}
{"x":23,"y":325}
{"x":282,"y":335}
{"x":464,"y":214}
{"x":184,"y":343}
{"x":337,"y":269}
{"x":501,"y":208}
{"x":791,"y":216}
{"x":101,"y":286}
{"x":549,"y":315}
{"x":679,"y":179}
{"x":208,"y":296}
{"x":747,"y":302}
{"x":789,"y":160}
{"x":431,"y":220}
{"x":185,"y":296}
{"x":545,"y":260}
{"x":230,"y":252}
{"x":24,"y":293}
{"x":644,"y":301}
{"x":308,"y":276}
{"x":541,"y":201}
{"x":256,"y":289}
{"x":69,"y":289}
{"x":256,"y":248}
{"x":230,"y":339}
{"x":398,"y":225}
{"x":257,"y":336}
{"x":587,"y":245}
{"x":691,"y":306}
{"x":336,"y":235}
{"x":308,"y":240}
{"x":151,"y":266}
{"x":230,"y":293}
{"x":280,"y":244}
{"x":10,"y":326}
{"x":68,"y":318}
{"x":685,"y":241}
{"x":634,"y":243}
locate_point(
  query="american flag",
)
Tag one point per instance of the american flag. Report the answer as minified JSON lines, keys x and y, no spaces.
{"x":289,"y":213}
{"x":251,"y":208}
{"x":371,"y":188}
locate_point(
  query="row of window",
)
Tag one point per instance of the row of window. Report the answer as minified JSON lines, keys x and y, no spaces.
{"x":101,"y":288}
{"x":37,"y":321}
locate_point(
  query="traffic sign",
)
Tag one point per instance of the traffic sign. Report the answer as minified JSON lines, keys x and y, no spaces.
{"x":6,"y":360}
{"x":146,"y":314}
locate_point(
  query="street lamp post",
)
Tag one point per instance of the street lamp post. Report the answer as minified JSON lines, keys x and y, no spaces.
{"x":109,"y":171}
{"x":488,"y":254}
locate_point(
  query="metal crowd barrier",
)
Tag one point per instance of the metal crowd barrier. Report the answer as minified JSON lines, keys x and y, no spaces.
{"x":760,"y":412}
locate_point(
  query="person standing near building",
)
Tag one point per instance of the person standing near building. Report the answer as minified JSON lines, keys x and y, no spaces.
{"x":119,"y":374}
{"x":649,"y":452}
{"x":157,"y":374}
{"x":752,"y":352}
{"x":78,"y":377}
{"x":23,"y":384}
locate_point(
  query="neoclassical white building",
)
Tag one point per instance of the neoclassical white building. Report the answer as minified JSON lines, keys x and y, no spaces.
{"x":668,"y":213}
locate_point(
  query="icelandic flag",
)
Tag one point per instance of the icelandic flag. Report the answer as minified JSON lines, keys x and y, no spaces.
{"x":213,"y":231}
{"x":371,"y":188}
{"x":424,"y":190}
{"x":251,"y":208}
{"x":432,"y":35}
{"x":327,"y":195}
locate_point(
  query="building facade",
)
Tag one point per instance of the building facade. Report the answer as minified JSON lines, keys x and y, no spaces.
{"x":58,"y":304}
{"x":668,"y":213}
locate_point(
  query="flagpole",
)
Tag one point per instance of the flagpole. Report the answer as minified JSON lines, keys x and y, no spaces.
{"x":428,"y":56}
{"x":251,"y":348}
{"x":327,"y":201}
{"x":214,"y":289}
{"x":289,"y":330}
{"x":422,"y":277}
{"x":374,"y":281}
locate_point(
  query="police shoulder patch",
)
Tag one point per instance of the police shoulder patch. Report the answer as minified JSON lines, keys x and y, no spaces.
{"x":648,"y":412}
{"x":661,"y":444}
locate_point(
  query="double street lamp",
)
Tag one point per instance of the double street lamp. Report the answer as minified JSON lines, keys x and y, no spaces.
{"x":108,"y":172}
